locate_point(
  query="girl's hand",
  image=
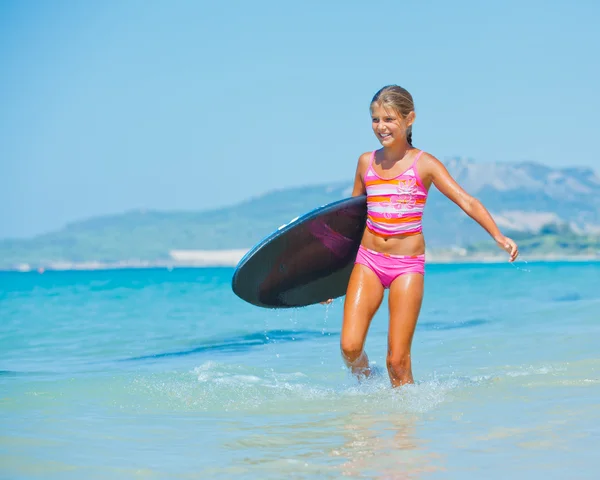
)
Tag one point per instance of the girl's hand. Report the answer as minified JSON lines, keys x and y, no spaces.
{"x":508,"y":245}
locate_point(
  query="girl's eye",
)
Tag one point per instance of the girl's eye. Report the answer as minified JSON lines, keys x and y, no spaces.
{"x":375,"y":120}
{"x":389,"y":119}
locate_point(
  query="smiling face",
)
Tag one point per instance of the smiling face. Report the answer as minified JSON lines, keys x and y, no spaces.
{"x":389,"y":126}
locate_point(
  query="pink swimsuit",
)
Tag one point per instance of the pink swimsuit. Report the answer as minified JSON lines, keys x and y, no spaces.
{"x":394,"y":207}
{"x":389,"y":267}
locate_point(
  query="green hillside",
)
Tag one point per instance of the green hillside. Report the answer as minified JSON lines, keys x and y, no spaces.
{"x":149,"y":236}
{"x":552,"y":240}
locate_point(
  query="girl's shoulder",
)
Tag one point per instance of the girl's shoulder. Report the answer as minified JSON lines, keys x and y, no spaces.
{"x":427,"y":161}
{"x":424,"y":155}
{"x":364,"y":161}
{"x":365,"y":157}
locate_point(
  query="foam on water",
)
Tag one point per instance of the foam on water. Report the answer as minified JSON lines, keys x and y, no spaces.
{"x":220,"y":387}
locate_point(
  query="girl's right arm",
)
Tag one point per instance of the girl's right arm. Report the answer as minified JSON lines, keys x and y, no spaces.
{"x":359,"y":187}
{"x":361,"y":168}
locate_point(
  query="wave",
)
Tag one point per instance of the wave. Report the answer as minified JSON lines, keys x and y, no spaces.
{"x":243,"y":343}
{"x":452,"y":326}
{"x":240,"y":343}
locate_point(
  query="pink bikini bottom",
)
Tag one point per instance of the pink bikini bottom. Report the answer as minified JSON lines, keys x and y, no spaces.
{"x":388,"y":267}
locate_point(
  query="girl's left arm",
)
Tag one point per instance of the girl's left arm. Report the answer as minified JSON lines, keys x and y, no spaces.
{"x":444,"y":182}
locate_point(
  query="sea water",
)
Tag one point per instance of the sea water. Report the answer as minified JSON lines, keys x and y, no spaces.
{"x":167,"y":374}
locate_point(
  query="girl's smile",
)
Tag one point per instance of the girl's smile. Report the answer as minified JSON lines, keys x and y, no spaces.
{"x":388,"y":125}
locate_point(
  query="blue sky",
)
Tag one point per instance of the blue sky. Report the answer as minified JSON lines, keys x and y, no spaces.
{"x":184,"y":105}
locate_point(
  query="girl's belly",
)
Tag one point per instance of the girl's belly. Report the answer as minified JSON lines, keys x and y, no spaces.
{"x":400,"y":245}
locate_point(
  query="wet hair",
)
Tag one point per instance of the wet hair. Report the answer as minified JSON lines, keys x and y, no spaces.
{"x":398,"y":99}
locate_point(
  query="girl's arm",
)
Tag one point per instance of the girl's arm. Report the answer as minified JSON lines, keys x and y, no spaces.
{"x":361,"y":168}
{"x":359,"y":187}
{"x":444,"y":182}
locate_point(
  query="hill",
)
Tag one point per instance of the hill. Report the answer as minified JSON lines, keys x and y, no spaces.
{"x":523,"y":197}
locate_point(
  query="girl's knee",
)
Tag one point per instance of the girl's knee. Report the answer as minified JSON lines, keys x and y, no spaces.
{"x":399,"y":365}
{"x":351,"y":350}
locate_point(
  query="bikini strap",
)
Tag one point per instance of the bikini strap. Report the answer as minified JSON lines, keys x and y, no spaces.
{"x":372,"y":159}
{"x":414,"y":164}
{"x":370,"y":167}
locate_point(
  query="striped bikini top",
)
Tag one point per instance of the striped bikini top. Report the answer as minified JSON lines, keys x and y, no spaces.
{"x":395,"y":206}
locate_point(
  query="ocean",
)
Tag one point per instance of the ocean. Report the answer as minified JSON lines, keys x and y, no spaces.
{"x":166,"y":374}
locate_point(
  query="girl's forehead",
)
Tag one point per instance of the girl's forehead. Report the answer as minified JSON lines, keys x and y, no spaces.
{"x":380,"y":110}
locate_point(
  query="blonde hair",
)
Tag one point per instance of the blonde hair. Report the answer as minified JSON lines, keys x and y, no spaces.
{"x":399,"y":99}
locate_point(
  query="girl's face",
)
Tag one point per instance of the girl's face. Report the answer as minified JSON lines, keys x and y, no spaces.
{"x":388,"y":125}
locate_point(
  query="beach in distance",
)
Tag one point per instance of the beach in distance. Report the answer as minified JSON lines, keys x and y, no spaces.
{"x":230,"y":258}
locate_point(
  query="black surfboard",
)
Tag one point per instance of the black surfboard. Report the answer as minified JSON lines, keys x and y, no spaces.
{"x":306,"y":261}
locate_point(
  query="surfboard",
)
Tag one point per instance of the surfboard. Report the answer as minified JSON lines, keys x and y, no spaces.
{"x":305,"y":261}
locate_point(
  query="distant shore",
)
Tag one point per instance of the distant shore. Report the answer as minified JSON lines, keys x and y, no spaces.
{"x":230,"y":258}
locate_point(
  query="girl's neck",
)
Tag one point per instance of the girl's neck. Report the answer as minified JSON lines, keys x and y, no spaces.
{"x":397,"y":152}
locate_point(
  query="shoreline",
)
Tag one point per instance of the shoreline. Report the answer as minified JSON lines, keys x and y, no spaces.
{"x":231,"y":258}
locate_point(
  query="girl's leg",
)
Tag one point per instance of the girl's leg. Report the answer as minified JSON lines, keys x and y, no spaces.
{"x":363,"y":297}
{"x":406,"y":296}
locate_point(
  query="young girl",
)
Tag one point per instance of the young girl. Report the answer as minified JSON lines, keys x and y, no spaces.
{"x":396,"y":180}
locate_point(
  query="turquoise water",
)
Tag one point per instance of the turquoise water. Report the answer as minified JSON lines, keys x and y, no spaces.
{"x":166,"y":374}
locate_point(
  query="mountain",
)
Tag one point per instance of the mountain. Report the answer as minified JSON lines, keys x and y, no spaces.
{"x":571,"y":194}
{"x":523,"y":197}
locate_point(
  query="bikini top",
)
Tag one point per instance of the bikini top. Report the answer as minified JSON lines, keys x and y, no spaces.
{"x":395,"y":206}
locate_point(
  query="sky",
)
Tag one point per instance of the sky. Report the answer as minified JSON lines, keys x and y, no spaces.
{"x":112,"y":106}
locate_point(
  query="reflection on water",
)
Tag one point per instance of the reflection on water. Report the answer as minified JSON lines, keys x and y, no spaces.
{"x":355,"y":445}
{"x":384,"y":446}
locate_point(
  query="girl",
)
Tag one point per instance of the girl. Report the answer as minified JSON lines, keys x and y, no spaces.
{"x":396,"y":180}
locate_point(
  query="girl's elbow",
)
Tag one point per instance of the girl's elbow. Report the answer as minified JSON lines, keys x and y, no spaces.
{"x":470,"y":205}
